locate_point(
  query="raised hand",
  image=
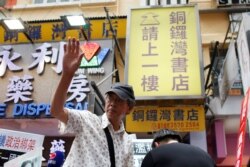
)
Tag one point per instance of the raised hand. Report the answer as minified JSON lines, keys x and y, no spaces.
{"x":72,"y":57}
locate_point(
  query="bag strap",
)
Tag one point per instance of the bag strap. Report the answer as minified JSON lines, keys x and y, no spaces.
{"x":111,"y":147}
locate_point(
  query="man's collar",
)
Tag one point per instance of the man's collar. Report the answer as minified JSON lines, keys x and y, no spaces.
{"x":106,"y":122}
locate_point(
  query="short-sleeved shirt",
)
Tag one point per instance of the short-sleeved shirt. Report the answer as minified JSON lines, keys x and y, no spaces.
{"x":90,"y":147}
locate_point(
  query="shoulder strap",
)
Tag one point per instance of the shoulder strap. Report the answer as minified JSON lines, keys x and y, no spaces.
{"x":111,"y":147}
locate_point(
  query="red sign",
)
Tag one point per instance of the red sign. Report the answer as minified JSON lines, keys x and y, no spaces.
{"x":242,"y":130}
{"x":89,"y":49}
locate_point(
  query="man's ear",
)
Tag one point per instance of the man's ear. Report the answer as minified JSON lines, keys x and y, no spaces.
{"x":131,"y":108}
{"x":157,"y":144}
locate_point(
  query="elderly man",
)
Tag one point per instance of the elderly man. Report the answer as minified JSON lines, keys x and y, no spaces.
{"x":91,"y":147}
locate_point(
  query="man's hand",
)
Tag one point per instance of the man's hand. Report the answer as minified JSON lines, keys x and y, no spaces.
{"x":72,"y":57}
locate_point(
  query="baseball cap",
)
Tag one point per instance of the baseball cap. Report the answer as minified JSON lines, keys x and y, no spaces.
{"x":165,"y":133}
{"x":124,"y":91}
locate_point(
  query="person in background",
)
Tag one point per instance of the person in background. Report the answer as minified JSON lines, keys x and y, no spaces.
{"x":168,"y":151}
{"x":90,"y":146}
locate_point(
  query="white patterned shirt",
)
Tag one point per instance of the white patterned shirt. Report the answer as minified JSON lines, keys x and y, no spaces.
{"x":90,"y":147}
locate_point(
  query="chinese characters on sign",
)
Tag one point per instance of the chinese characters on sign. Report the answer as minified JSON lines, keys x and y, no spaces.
{"x":178,"y":38}
{"x":44,"y":54}
{"x":6,"y":60}
{"x":78,"y":88}
{"x":19,"y":89}
{"x":149,"y":33}
{"x":57,"y":31}
{"x":163,"y":47}
{"x":148,"y":119}
{"x":140,"y":148}
{"x":15,"y":143}
{"x":57,"y":146}
{"x":24,"y":70}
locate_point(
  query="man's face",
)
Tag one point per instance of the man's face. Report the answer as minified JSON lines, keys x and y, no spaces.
{"x":115,"y":107}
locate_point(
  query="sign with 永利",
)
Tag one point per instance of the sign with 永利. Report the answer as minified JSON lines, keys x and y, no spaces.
{"x":29,"y":75}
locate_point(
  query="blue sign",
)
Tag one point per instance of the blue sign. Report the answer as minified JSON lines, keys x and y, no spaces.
{"x":37,"y":110}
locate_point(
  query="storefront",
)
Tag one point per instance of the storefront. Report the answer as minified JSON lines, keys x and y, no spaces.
{"x":31,"y":72}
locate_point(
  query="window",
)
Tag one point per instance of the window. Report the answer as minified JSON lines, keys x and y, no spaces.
{"x":52,"y":1}
{"x":163,"y":2}
{"x":38,"y":1}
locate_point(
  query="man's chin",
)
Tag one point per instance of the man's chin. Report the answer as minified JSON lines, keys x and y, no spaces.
{"x":110,"y":113}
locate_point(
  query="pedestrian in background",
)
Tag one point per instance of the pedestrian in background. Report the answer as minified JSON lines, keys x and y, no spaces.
{"x":168,"y":151}
{"x":90,"y":147}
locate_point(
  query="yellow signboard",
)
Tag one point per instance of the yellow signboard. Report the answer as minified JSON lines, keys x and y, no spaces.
{"x":164,"y":53}
{"x":150,"y":119}
{"x":56,"y":31}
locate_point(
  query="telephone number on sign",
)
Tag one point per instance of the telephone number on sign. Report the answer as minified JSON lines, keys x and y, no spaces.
{"x":175,"y":125}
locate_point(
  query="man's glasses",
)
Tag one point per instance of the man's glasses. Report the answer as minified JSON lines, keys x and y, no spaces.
{"x":113,"y":98}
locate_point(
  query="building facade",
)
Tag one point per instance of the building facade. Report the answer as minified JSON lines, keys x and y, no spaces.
{"x":216,"y":19}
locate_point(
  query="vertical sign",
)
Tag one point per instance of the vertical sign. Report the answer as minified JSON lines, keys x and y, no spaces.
{"x":228,"y":73}
{"x":163,"y":53}
{"x":242,"y":130}
{"x":140,"y":148}
{"x":243,"y":53}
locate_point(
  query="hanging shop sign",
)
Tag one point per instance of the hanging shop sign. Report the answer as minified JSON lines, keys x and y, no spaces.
{"x":29,"y":75}
{"x":153,"y":118}
{"x":164,"y":48}
{"x":243,"y":47}
{"x":229,"y":73}
{"x":56,"y":31}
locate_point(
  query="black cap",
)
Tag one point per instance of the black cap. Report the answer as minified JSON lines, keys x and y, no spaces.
{"x":166,"y":133}
{"x":124,"y":91}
